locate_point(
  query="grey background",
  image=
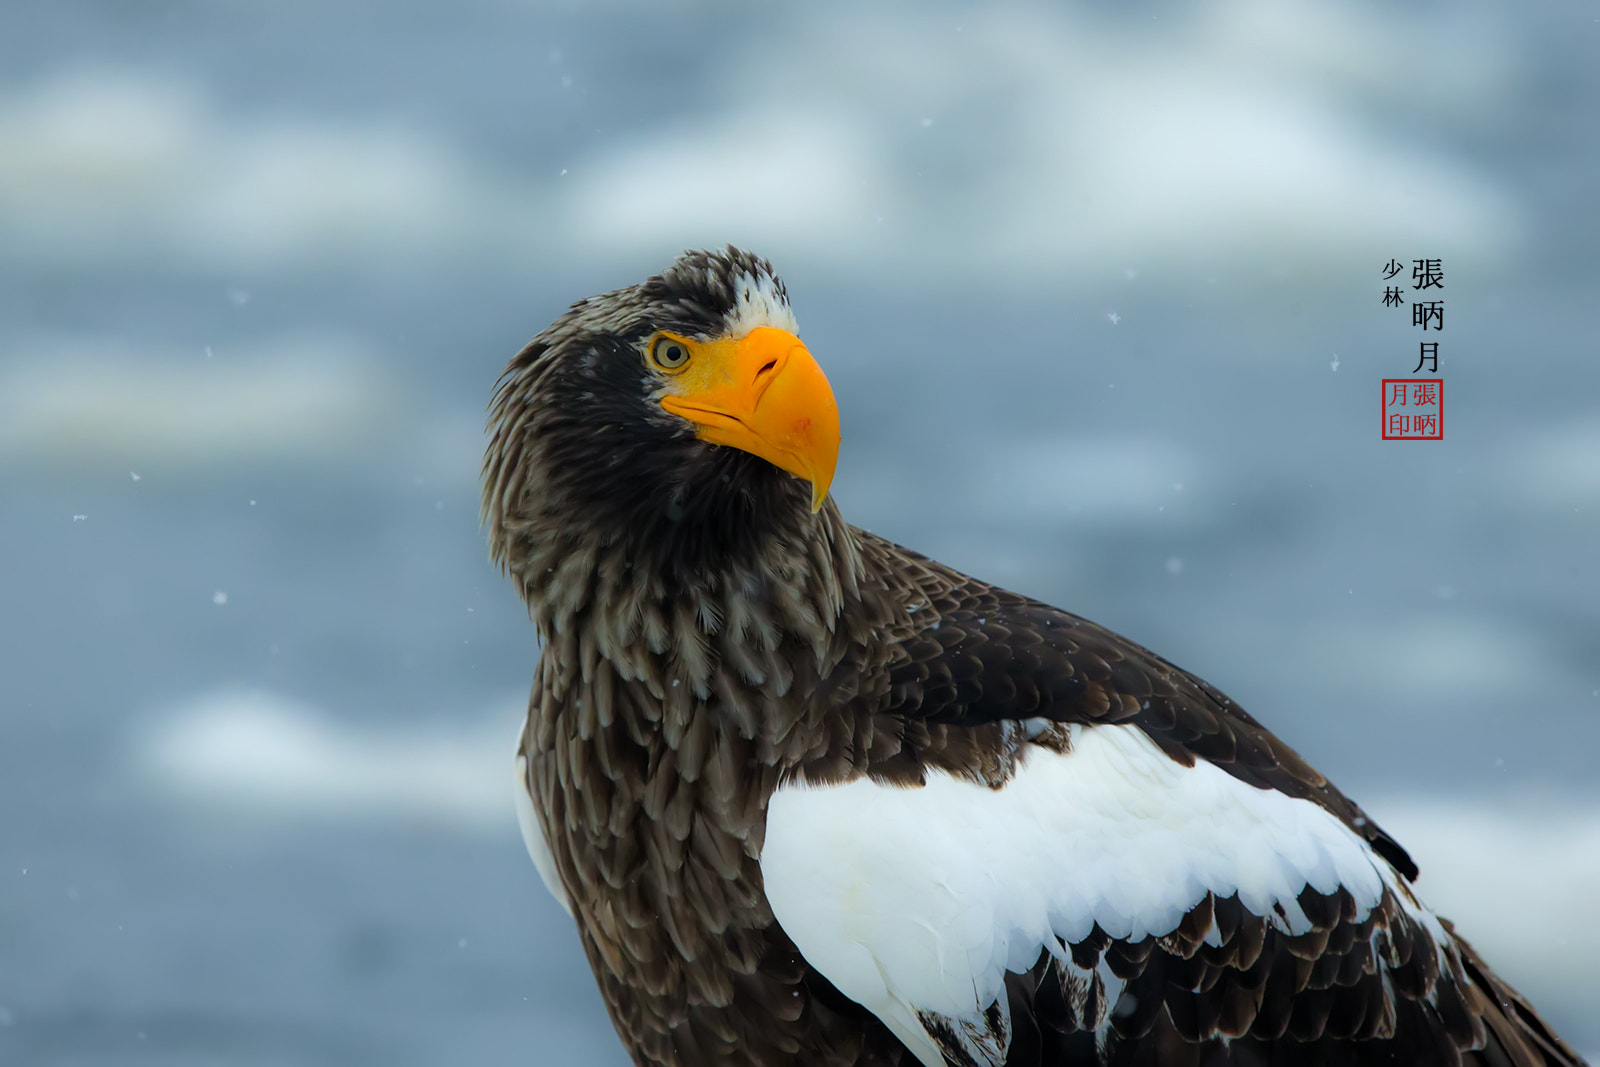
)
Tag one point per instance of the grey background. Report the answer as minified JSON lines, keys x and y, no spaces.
{"x":1098,"y":289}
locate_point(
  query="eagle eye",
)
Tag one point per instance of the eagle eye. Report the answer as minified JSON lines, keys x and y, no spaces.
{"x":669,"y":353}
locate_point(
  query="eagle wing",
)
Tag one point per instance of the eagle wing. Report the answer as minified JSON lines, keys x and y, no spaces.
{"x":1150,"y":870}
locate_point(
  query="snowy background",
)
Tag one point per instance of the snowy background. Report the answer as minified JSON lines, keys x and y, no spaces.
{"x":1097,"y":286}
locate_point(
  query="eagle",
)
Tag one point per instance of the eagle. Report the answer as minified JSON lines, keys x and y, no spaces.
{"x":813,"y":798}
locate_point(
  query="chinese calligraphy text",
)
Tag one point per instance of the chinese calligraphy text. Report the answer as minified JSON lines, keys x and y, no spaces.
{"x":1413,"y":409}
{"x":1417,"y":414}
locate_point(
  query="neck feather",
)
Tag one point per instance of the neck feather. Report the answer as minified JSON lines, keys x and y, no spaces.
{"x":673,"y":626}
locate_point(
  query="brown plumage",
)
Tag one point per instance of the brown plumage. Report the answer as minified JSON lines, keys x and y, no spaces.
{"x":709,"y":637}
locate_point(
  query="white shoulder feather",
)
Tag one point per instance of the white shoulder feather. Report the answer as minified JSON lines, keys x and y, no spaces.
{"x":915,"y":902}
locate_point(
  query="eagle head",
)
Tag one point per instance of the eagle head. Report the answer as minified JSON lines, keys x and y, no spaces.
{"x":681,"y":419}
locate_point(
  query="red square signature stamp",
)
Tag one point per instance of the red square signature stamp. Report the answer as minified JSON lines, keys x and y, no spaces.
{"x":1413,"y":409}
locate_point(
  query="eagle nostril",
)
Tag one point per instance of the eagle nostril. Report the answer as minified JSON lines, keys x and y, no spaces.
{"x":769,"y":365}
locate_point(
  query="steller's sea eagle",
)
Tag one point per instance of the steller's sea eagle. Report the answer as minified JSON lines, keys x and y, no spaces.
{"x":812,"y":798}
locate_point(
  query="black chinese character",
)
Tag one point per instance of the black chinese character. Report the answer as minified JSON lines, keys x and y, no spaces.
{"x":1427,"y":274}
{"x":1392,"y":269}
{"x":1430,"y":356}
{"x":1392,"y":297}
{"x":1429,"y":311}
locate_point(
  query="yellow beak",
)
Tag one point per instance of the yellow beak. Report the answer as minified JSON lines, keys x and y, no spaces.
{"x":765,"y":395}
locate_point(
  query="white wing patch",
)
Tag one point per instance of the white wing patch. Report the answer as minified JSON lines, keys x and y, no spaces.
{"x":920,"y":899}
{"x":533,"y":836}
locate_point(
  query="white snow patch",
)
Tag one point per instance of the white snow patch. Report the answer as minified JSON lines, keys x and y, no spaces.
{"x":267,"y":753}
{"x":293,"y":396}
{"x":761,"y":178}
{"x":104,"y":164}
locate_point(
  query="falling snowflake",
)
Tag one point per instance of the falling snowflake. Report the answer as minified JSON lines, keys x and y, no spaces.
{"x":219,"y":598}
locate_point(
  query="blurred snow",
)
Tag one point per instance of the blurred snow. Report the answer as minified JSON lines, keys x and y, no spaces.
{"x":89,"y":399}
{"x":257,"y":751}
{"x":1435,"y":659}
{"x":783,"y":174}
{"x":1103,"y":481}
{"x":1058,"y":139}
{"x":1062,"y":140}
{"x":104,"y":164}
{"x":1555,"y":466}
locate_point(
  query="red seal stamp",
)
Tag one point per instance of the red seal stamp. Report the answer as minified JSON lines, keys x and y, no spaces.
{"x":1413,"y":409}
